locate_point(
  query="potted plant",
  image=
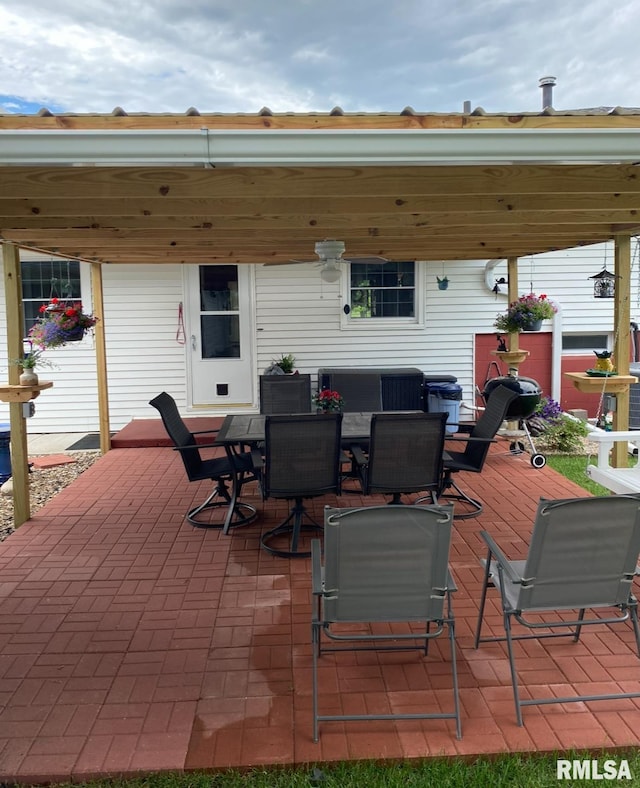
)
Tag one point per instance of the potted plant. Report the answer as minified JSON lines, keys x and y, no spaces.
{"x":60,"y":322}
{"x":328,"y":401}
{"x":286,"y":363}
{"x":526,"y":314}
{"x":31,"y":359}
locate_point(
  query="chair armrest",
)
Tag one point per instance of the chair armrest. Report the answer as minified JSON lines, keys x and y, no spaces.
{"x":257,"y":460}
{"x":469,"y":438}
{"x":501,"y":558}
{"x":205,"y":432}
{"x":197,"y":446}
{"x":359,"y":457}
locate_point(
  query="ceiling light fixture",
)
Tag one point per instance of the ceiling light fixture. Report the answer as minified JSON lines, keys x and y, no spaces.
{"x":330,"y":272}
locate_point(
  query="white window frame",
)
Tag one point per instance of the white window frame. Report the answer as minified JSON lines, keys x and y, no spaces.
{"x":347,"y":323}
{"x":586,"y":351}
{"x":85,"y":287}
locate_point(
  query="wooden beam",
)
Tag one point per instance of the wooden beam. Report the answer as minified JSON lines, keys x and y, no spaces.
{"x":512,"y":295}
{"x":101,"y":357}
{"x":125,"y":212}
{"x":15,"y":350}
{"x":622,"y":346}
{"x":32,"y":183}
{"x":268,"y":121}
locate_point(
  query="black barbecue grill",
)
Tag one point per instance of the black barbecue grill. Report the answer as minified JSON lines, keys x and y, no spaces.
{"x":529,"y":395}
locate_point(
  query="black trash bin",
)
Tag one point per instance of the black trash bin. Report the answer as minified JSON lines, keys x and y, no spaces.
{"x":445,"y":397}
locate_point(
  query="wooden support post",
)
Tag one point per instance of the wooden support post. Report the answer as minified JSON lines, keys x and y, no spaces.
{"x":512,"y":290}
{"x":101,"y":357}
{"x":15,"y":350}
{"x":622,"y":346}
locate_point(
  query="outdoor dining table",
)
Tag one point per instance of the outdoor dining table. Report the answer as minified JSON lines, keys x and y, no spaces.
{"x":241,"y":429}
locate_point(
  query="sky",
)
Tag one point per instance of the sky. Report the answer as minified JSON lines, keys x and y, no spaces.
{"x":314,"y":55}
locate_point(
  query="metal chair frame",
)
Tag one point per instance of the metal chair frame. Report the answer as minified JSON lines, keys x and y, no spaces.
{"x":478,"y":440}
{"x":218,"y":469}
{"x":405,"y":455}
{"x":295,"y":467}
{"x":386,"y":564}
{"x":605,"y":536}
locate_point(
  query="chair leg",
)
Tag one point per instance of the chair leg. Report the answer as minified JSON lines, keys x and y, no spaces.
{"x":315,"y":641}
{"x":633,"y":612}
{"x":292,"y":527}
{"x":512,"y":667}
{"x":483,"y":598}
{"x":460,"y":495}
{"x":454,"y":673}
{"x":242,"y":514}
{"x":578,"y":629}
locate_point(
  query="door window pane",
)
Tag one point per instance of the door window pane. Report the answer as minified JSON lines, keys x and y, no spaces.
{"x":220,"y":336}
{"x":218,"y":288}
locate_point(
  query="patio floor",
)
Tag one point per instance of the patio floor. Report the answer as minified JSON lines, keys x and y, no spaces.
{"x":130,"y":641}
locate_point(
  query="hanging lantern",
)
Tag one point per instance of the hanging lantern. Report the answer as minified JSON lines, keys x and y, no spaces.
{"x":604,"y":284}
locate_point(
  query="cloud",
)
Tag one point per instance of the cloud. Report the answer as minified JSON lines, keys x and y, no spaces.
{"x":303,"y":55}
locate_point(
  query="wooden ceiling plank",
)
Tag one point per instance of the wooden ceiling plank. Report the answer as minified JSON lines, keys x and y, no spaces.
{"x":329,"y":205}
{"x":398,"y":182}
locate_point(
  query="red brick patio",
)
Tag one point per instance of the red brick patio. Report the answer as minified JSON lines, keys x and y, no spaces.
{"x":130,"y":641}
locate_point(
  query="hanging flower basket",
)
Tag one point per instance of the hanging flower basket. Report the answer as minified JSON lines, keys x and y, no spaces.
{"x":526,"y":314}
{"x":60,"y":323}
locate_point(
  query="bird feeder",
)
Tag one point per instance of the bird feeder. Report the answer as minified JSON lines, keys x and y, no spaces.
{"x":604,"y":284}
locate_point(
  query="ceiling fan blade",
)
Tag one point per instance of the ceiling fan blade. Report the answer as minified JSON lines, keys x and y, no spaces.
{"x":366,"y":259}
{"x":291,"y":262}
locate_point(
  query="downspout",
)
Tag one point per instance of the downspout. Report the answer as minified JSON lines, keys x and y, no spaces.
{"x":499,"y":288}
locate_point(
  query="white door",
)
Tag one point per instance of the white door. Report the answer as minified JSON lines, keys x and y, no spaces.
{"x":220,"y":336}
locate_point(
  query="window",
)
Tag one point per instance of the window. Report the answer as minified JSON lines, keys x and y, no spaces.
{"x":381,"y":289}
{"x":44,"y":279}
{"x":584,"y":343}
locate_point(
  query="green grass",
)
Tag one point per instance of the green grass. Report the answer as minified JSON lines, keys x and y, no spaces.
{"x":514,"y":771}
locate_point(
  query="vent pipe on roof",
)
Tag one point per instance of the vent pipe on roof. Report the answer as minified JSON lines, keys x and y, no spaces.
{"x":547,"y":84}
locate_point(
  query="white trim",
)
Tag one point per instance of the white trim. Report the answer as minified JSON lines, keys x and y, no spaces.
{"x":326,"y":147}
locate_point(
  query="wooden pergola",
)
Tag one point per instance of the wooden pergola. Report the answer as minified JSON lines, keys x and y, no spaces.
{"x":209,"y":188}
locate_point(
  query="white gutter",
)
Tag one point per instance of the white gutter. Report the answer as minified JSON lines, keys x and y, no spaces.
{"x":266,"y":147}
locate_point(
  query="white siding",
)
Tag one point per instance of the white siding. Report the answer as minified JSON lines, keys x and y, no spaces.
{"x":298,"y":313}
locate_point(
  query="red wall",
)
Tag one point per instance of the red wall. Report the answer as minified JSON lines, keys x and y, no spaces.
{"x":538,"y":367}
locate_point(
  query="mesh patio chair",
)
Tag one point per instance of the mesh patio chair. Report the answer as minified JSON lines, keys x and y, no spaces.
{"x":383,"y":565}
{"x":478,"y":439}
{"x":218,"y":469}
{"x":282,"y":394}
{"x":405,"y":455}
{"x":301,"y":460}
{"x":583,"y":556}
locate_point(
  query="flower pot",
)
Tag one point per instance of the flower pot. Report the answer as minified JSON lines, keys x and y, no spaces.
{"x":28,"y":378}
{"x":532,"y":325}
